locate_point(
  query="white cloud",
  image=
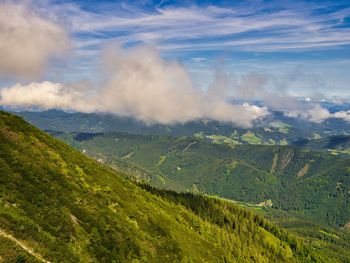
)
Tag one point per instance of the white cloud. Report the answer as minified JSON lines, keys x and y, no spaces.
{"x":46,"y":95}
{"x":144,"y":85}
{"x":318,"y":114}
{"x":27,"y":40}
{"x":141,"y":85}
{"x":345,"y":115}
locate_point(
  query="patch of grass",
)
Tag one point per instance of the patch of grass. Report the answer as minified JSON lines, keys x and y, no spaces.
{"x":251,"y":138}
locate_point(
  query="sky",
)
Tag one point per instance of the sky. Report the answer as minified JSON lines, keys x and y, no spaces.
{"x":238,"y":50}
{"x":272,"y":37}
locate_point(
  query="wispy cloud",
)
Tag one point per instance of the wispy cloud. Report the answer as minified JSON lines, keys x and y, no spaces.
{"x":252,"y":27}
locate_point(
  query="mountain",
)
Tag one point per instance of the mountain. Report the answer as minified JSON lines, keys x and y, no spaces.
{"x":275,"y":129}
{"x":335,"y":145}
{"x":57,"y":205}
{"x":312,"y":184}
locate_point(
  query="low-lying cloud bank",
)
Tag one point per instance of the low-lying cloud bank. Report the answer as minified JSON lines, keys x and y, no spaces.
{"x":141,"y":85}
{"x":46,"y":95}
{"x":253,"y":86}
{"x":318,"y":114}
{"x":27,"y":40}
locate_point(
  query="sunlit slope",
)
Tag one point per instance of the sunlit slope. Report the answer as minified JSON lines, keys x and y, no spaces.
{"x":314,"y":184}
{"x":65,"y":207}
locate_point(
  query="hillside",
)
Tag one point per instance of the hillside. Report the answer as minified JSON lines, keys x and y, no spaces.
{"x":335,"y":145}
{"x":65,"y":207}
{"x":313,"y":184}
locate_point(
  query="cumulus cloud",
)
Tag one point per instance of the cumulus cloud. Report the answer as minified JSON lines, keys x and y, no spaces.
{"x":27,"y":40}
{"x":46,"y":95}
{"x":239,"y":114}
{"x":345,"y":115}
{"x":318,"y":114}
{"x":142,"y":85}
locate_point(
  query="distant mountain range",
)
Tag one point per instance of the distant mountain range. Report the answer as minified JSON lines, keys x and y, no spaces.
{"x":275,"y":129}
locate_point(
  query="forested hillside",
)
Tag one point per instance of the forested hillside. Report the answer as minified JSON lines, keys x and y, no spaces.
{"x":313,"y":184}
{"x":335,"y":145}
{"x":58,"y":205}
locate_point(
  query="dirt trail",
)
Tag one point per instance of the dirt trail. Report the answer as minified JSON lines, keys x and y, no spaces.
{"x":23,"y":246}
{"x":188,"y":146}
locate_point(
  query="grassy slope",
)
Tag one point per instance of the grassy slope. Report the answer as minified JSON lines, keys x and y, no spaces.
{"x":11,"y":252}
{"x":68,"y":208}
{"x":311,"y":183}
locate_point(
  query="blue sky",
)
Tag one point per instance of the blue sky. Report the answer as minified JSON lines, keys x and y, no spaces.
{"x":268,"y":37}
